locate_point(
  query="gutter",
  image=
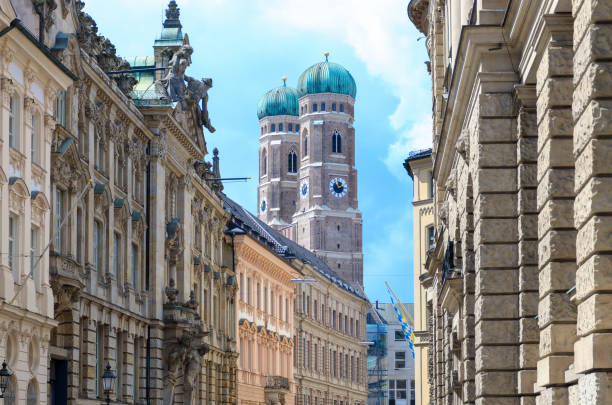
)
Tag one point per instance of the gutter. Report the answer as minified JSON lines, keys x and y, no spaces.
{"x":16,"y":23}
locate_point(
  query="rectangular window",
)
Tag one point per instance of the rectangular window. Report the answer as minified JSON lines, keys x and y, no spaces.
{"x":34,"y":242}
{"x":314,"y":313}
{"x":333,"y":106}
{"x":357,"y":375}
{"x":399,"y":335}
{"x":334,"y":319}
{"x":59,"y":217}
{"x":116,"y":253}
{"x":286,"y":310}
{"x":13,"y":245}
{"x":316,"y":357}
{"x":280,"y":127}
{"x":241,"y":287}
{"x":314,"y":108}
{"x":290,"y":127}
{"x":322,"y":313}
{"x":258,"y":296}
{"x":400,"y":360}
{"x":352,"y":326}
{"x":412,"y":399}
{"x":265,"y":299}
{"x":430,"y":238}
{"x":357,"y":328}
{"x":297,"y":127}
{"x":346,"y":328}
{"x":14,"y":122}
{"x":431,"y":185}
{"x":34,"y":139}
{"x":322,"y":106}
{"x":135,"y":266}
{"x":60,"y":108}
{"x":248,"y":292}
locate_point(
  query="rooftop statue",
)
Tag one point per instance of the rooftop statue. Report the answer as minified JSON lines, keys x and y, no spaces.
{"x":173,"y":87}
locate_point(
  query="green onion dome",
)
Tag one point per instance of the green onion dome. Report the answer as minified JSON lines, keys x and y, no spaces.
{"x":327,"y":77}
{"x":282,"y":100}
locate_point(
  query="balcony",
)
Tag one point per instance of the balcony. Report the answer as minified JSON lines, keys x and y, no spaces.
{"x":66,"y":280}
{"x":275,"y":382}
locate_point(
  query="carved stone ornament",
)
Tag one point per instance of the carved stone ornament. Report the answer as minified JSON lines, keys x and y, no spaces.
{"x":451,"y":182}
{"x":463,"y":144}
{"x":159,"y":146}
{"x":171,"y":292}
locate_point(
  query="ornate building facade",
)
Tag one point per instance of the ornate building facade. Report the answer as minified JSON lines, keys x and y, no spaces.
{"x":141,"y":273}
{"x":308,"y":177}
{"x":520,"y":272}
{"x":30,"y":79}
{"x":418,"y":166}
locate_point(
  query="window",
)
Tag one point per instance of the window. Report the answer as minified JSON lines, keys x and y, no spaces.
{"x":357,"y":328}
{"x":399,"y":335}
{"x":241,"y":286}
{"x":352,"y":326}
{"x":430,"y":237}
{"x":59,"y":217}
{"x":431,"y":185}
{"x":258,"y":296}
{"x":341,"y":107}
{"x":248,"y":294}
{"x":316,"y":357}
{"x":315,"y":312}
{"x":297,"y":127}
{"x":14,"y":122}
{"x":273,"y":128}
{"x":400,"y":360}
{"x":412,"y":399}
{"x":100,"y":355}
{"x":314,"y":108}
{"x":333,"y":106}
{"x":290,"y":127}
{"x":322,"y":106}
{"x":97,"y":245}
{"x":13,"y":245}
{"x":265,"y":299}
{"x":305,"y":145}
{"x":280,"y":127}
{"x":322,"y":313}
{"x":34,"y":139}
{"x":60,"y":108}
{"x":337,"y":142}
{"x":280,"y":307}
{"x":264,"y":162}
{"x":116,"y":252}
{"x":334,"y":319}
{"x":346,"y":328}
{"x":286,"y":310}
{"x":135,"y":266}
{"x":34,"y":247}
{"x":292,"y":162}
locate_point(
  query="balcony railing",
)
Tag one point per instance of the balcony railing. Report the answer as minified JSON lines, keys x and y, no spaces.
{"x":276,"y":382}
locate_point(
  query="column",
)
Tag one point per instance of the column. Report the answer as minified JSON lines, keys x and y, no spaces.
{"x":592,"y":112}
{"x":494,"y":167}
{"x":527,"y":138}
{"x":555,"y":199}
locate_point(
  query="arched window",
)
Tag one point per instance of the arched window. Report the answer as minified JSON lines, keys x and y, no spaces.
{"x":14,"y":122}
{"x":280,"y":127}
{"x":35,"y":137}
{"x":333,"y":106}
{"x":341,"y":107}
{"x":337,"y":142}
{"x":264,"y":163}
{"x":305,"y":148}
{"x":314,"y":108}
{"x":273,"y":128}
{"x":322,"y":106}
{"x":292,"y":162}
{"x":290,"y":127}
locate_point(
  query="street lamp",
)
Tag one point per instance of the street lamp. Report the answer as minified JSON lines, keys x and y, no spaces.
{"x":108,"y":379}
{"x":5,"y":377}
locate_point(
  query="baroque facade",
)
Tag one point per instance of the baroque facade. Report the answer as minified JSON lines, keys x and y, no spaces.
{"x":418,"y":166}
{"x":520,"y":272}
{"x":140,"y":270}
{"x":30,"y":79}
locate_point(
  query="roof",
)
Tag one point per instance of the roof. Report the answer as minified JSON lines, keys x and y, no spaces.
{"x":327,"y":77}
{"x":282,"y":100}
{"x":416,"y":155}
{"x":280,"y":245}
{"x":388,"y":315}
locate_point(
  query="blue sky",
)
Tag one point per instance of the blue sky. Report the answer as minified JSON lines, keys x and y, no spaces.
{"x":247,"y":46}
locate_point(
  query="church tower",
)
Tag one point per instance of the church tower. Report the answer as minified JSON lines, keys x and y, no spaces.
{"x":327,"y":220}
{"x":278,"y":156}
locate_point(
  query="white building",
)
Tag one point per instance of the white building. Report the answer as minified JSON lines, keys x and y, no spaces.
{"x":393,"y":372}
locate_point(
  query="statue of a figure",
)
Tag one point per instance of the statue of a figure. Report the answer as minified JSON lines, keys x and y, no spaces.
{"x":192,"y":369}
{"x":198,"y":90}
{"x":176,"y":359}
{"x":172,"y":86}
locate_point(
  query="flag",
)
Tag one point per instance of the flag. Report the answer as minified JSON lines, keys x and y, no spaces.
{"x":407,"y":329}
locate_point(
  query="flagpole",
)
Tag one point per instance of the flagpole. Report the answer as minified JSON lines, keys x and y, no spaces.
{"x":406,"y":313}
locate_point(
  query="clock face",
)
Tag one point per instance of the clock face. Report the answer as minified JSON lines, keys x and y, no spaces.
{"x":338,"y":187}
{"x":263,"y":206}
{"x":304,"y":189}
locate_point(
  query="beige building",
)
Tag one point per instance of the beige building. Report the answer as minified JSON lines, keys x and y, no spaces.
{"x":419,"y":168}
{"x":30,"y":78}
{"x":264,"y":311}
{"x":139,"y":274}
{"x":519,"y":282}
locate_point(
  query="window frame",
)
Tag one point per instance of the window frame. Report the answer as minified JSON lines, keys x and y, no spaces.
{"x":14,"y":121}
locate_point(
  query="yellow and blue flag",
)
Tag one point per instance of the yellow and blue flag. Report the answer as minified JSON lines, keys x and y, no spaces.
{"x":407,"y":329}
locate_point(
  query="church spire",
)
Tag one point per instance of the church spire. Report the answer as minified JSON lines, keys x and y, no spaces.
{"x":172,"y":16}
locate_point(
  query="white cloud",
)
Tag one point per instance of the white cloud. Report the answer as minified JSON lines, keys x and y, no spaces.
{"x":417,"y":136}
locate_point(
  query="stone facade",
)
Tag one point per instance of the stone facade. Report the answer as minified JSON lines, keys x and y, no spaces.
{"x":30,"y":78}
{"x":520,"y":270}
{"x":418,"y":166}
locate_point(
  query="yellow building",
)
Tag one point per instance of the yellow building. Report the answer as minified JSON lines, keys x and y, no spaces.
{"x":418,"y":166}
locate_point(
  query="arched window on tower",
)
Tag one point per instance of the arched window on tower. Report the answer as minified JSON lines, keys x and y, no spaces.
{"x":305,"y":148}
{"x":264,"y":163}
{"x":337,"y":142}
{"x":292,"y":162}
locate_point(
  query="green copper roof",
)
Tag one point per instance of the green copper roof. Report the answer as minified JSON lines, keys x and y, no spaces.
{"x":141,"y":61}
{"x":282,"y":100}
{"x":327,"y":77}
